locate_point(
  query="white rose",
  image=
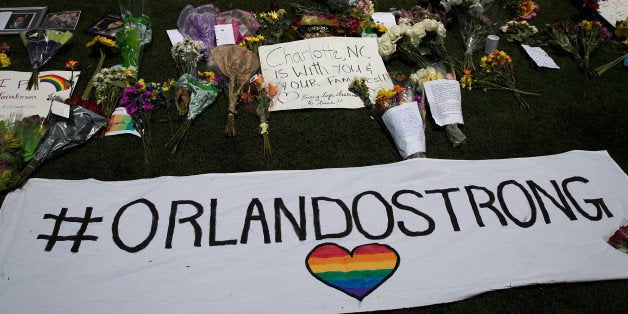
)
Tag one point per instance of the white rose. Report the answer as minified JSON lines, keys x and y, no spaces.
{"x":386,"y":49}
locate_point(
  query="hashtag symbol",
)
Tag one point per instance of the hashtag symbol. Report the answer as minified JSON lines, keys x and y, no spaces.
{"x":80,"y":234}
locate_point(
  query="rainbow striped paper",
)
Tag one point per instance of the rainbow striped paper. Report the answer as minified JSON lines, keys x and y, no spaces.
{"x":59,"y":82}
{"x":355,"y":273}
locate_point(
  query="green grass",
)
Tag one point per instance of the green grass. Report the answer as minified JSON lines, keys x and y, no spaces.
{"x":573,"y":113}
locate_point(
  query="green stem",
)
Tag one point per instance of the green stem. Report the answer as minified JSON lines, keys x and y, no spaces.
{"x":90,"y":85}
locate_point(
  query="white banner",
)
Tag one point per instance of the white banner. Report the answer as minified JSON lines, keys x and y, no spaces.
{"x":16,"y":102}
{"x":407,"y":234}
{"x":316,"y":73}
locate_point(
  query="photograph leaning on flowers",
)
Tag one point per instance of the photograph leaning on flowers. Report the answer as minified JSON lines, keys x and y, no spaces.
{"x":318,"y":156}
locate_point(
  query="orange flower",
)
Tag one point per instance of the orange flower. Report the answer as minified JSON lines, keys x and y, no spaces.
{"x":272,"y":89}
{"x":72,"y":64}
{"x":259,"y":79}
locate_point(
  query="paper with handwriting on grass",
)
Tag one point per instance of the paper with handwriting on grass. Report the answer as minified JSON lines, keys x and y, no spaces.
{"x":540,"y":57}
{"x":316,"y":73}
{"x":405,"y":125}
{"x":445,"y":101}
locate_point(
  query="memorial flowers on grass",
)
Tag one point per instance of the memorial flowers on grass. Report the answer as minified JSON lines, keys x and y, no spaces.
{"x":259,"y":98}
{"x":18,"y":143}
{"x":187,"y":54}
{"x":526,"y":10}
{"x":621,"y":31}
{"x":497,"y":72}
{"x":272,"y":25}
{"x":104,"y":47}
{"x":140,"y":100}
{"x":520,"y":32}
{"x":192,"y":96}
{"x":109,"y":83}
{"x":579,"y":40}
{"x":42,"y":45}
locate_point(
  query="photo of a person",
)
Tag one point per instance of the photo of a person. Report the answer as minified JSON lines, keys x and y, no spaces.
{"x":108,"y":26}
{"x":19,"y":21}
{"x":62,"y":20}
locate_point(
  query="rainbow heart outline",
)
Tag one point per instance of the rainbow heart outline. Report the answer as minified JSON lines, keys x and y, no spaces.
{"x":356,"y":273}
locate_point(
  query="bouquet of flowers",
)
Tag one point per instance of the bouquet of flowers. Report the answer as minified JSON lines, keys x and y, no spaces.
{"x":140,"y":100}
{"x":243,"y":23}
{"x":5,"y":61}
{"x":62,"y":134}
{"x":447,"y":108}
{"x":187,"y":54}
{"x":472,"y":7}
{"x":395,"y":109}
{"x":197,"y":24}
{"x":579,"y":40}
{"x":619,"y":239}
{"x":520,"y":32}
{"x":18,"y":143}
{"x":193,"y":95}
{"x":104,"y":47}
{"x":259,"y":98}
{"x":82,"y":101}
{"x":497,"y":72}
{"x":238,"y":64}
{"x":136,"y":33}
{"x":360,"y":11}
{"x":42,"y":45}
{"x":109,"y":83}
{"x":272,"y":25}
{"x":253,"y":43}
{"x":621,"y":31}
{"x":526,"y":10}
{"x":418,"y":13}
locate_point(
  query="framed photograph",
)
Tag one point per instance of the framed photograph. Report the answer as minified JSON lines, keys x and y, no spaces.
{"x":109,"y":26}
{"x":65,"y":20}
{"x":17,"y":20}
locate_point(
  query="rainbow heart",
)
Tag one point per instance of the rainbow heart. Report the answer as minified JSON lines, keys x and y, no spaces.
{"x":356,"y":273}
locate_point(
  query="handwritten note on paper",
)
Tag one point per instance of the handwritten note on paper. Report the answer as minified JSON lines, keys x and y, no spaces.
{"x":613,"y":10}
{"x":16,"y":102}
{"x":445,"y":101}
{"x":405,"y":125}
{"x":224,"y":34}
{"x":540,"y":57}
{"x":316,"y":73}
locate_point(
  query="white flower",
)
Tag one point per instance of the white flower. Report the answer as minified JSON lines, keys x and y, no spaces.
{"x":415,"y":34}
{"x":386,"y":49}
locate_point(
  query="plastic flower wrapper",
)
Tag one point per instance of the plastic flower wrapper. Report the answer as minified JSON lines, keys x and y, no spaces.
{"x":497,"y":72}
{"x":187,"y":54}
{"x":10,"y":161}
{"x":192,"y":97}
{"x":318,"y":24}
{"x":396,"y":111}
{"x":473,"y":30}
{"x":136,"y":33}
{"x":471,"y":7}
{"x":259,"y":98}
{"x":62,"y":135}
{"x":619,"y":239}
{"x":446,"y":110}
{"x":42,"y":45}
{"x":237,"y":64}
{"x":30,"y":131}
{"x":109,"y":84}
{"x":198,"y":24}
{"x":579,"y":40}
{"x":140,"y":100}
{"x":243,"y":22}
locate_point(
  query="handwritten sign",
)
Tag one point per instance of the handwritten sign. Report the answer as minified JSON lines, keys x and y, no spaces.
{"x":613,"y":10}
{"x":315,"y":73}
{"x":16,"y":102}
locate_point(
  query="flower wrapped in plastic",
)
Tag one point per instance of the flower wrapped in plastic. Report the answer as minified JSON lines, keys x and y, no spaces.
{"x":259,"y":98}
{"x":440,"y":88}
{"x":238,"y":64}
{"x":243,"y":22}
{"x":62,"y":134}
{"x":197,"y":24}
{"x":42,"y":45}
{"x":398,"y":113}
{"x":136,"y":33}
{"x":192,"y":97}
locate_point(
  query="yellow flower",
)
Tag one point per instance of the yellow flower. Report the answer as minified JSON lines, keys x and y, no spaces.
{"x":102,"y":40}
{"x":5,"y":62}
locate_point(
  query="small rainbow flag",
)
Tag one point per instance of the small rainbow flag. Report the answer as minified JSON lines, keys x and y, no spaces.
{"x":59,"y":82}
{"x":355,"y":273}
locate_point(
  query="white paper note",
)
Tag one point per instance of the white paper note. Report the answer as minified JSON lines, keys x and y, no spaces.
{"x":406,"y":127}
{"x":445,"y":101}
{"x":175,"y":36}
{"x":385,"y":18}
{"x":60,"y":109}
{"x":539,"y":56}
{"x":224,"y":34}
